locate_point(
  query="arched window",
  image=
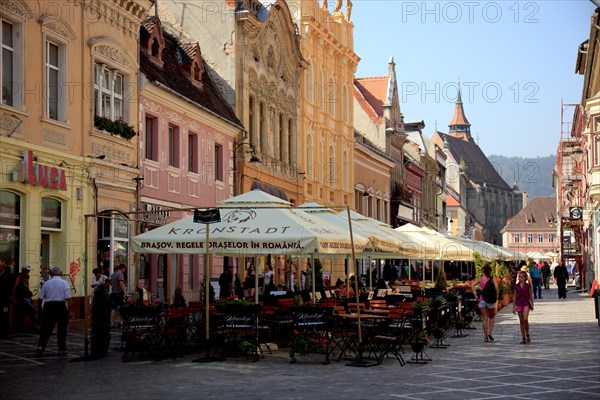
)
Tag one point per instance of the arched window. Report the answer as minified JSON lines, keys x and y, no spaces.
{"x":331,"y":96}
{"x":310,"y":157}
{"x":310,"y":84}
{"x":345,"y":104}
{"x":321,"y":90}
{"x":346,"y":172}
{"x":331,"y":168}
{"x":154,"y":48}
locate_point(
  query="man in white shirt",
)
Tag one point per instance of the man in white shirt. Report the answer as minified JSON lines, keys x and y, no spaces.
{"x":55,"y":293}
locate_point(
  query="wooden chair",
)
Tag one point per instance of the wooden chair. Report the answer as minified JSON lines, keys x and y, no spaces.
{"x":173,"y":331}
{"x":390,"y":339}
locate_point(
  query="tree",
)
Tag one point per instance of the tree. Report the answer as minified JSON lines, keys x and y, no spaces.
{"x":440,"y":280}
{"x":479,"y":263}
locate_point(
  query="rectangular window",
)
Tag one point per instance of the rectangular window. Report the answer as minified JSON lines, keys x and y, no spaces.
{"x":218,"y":162}
{"x":151,"y":136}
{"x":516,"y":237}
{"x":55,"y":100}
{"x":108,"y":92}
{"x":530,"y":238}
{"x":9,"y":67}
{"x":597,"y":150}
{"x":540,"y":238}
{"x":193,"y":153}
{"x":551,"y":237}
{"x":174,"y":146}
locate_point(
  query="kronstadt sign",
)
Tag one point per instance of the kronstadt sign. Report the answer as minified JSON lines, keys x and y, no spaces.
{"x":41,"y":175}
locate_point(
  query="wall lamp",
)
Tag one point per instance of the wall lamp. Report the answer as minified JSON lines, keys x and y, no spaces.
{"x":365,"y":192}
{"x":254,"y":160}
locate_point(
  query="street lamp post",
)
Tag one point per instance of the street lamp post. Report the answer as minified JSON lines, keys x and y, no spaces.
{"x":237,"y":184}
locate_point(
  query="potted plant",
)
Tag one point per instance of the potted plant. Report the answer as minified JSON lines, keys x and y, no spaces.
{"x":309,"y":341}
{"x":504,"y":292}
{"x":235,"y":342}
{"x":419,"y":341}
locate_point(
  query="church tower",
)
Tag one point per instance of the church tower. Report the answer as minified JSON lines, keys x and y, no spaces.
{"x":459,"y":126}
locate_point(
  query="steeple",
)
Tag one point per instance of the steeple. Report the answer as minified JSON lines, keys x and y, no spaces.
{"x":460,"y":126}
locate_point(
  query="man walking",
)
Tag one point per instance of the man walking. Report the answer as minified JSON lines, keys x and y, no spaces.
{"x":546,"y":275}
{"x":56,"y":294}
{"x":535,"y":271}
{"x":560,"y":277}
{"x":118,"y":289}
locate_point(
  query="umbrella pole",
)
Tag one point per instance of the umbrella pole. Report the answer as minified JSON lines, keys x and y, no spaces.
{"x":312,"y":272}
{"x":359,"y":359}
{"x":207,"y":269}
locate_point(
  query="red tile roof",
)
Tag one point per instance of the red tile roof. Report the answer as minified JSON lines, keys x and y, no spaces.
{"x":451,"y":201}
{"x":374,"y":90}
{"x":540,"y":213}
{"x":172,"y":76}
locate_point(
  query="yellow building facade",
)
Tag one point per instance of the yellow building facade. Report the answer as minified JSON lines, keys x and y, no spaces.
{"x":327,"y":102}
{"x":64,"y":63}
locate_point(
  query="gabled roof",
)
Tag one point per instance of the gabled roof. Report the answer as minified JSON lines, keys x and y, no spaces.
{"x":478,"y":168}
{"x":374,"y":90}
{"x":172,"y":76}
{"x":540,"y":213}
{"x":366,"y":106}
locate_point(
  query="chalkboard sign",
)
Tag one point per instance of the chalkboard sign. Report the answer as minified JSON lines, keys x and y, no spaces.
{"x":317,"y":317}
{"x":141,"y":322}
{"x":239,"y":321}
{"x":140,"y":318}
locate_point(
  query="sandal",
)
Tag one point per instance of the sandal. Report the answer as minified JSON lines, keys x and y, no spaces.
{"x":528,"y":339}
{"x":486,"y":340}
{"x":523,"y":341}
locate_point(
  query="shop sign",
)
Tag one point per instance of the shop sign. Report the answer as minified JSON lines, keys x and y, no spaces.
{"x":209,"y":216}
{"x":576,"y":212}
{"x":41,"y":175}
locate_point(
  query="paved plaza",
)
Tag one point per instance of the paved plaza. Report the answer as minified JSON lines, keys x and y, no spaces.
{"x":562,"y":362}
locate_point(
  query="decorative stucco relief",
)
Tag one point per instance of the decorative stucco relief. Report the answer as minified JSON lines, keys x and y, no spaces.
{"x":11,"y":126}
{"x":111,"y":151}
{"x":51,"y":136}
{"x":151,"y":106}
{"x":15,"y":9}
{"x":113,"y":54}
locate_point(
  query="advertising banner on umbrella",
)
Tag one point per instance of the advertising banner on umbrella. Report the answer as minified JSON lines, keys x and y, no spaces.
{"x":251,"y":230}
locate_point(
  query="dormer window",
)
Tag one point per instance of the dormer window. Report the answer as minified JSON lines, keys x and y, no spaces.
{"x":197,"y":73}
{"x":155,"y":48}
{"x":153,"y":42}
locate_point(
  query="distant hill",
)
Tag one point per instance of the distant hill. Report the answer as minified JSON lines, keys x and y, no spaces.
{"x":533,"y":175}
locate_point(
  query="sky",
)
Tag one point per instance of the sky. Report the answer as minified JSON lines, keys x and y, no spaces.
{"x":515,"y":61}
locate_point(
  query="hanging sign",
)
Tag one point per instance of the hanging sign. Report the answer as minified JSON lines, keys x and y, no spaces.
{"x":576,"y":212}
{"x":208,"y":216}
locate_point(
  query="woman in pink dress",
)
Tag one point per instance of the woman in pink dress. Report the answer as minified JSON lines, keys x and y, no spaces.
{"x":523,"y":304}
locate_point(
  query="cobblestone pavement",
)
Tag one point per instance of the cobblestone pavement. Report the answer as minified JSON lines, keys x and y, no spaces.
{"x":562,"y":362}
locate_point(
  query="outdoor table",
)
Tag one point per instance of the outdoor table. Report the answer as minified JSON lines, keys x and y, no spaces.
{"x":367,"y":334}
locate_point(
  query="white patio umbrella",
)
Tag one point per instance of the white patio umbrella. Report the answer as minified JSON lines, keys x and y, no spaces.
{"x":447,"y":247}
{"x":254,"y":223}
